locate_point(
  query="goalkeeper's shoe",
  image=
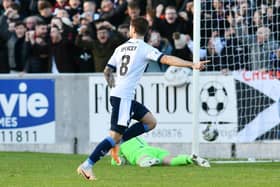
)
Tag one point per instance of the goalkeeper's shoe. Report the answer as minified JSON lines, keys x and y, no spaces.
{"x":115,"y":154}
{"x":148,"y":162}
{"x":200,"y":161}
{"x":86,"y":172}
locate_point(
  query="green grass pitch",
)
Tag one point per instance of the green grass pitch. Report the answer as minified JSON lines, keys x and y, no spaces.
{"x":59,"y":170}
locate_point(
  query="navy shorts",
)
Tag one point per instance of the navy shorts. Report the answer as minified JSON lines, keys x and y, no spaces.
{"x":123,"y":110}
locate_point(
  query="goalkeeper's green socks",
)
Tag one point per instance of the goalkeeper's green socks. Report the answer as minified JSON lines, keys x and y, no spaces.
{"x":181,"y":160}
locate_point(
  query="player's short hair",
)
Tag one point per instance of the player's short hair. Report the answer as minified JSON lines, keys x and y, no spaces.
{"x":141,"y":25}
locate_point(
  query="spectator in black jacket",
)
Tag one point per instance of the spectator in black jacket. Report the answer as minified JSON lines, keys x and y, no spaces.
{"x":234,"y":53}
{"x":4,"y":36}
{"x":60,"y":60}
{"x":38,"y":47}
{"x":103,"y":47}
{"x":9,"y":14}
{"x":17,"y":49}
{"x":114,"y":15}
{"x":171,"y":24}
{"x":181,"y":48}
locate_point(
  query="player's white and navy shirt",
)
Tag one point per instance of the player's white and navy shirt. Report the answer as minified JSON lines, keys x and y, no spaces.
{"x":130,"y":60}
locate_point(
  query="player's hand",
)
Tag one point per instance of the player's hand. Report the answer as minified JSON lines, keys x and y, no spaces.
{"x":200,"y":65}
{"x":159,"y":10}
{"x":110,"y":79}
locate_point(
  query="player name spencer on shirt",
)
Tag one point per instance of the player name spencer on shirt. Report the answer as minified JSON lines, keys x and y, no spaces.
{"x":128,"y":48}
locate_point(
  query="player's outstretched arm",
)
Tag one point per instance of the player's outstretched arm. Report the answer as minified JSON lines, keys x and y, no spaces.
{"x":175,"y":61}
{"x":108,"y":73}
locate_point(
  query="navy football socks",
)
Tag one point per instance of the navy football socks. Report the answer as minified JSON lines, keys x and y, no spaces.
{"x":135,"y":130}
{"x":101,"y":149}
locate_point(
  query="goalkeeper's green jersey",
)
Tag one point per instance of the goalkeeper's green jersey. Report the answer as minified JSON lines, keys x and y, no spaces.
{"x":130,"y":149}
{"x":136,"y":148}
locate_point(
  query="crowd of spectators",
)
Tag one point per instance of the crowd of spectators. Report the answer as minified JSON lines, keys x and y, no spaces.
{"x":79,"y":36}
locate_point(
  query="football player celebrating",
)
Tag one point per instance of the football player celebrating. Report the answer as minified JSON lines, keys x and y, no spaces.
{"x":129,"y":62}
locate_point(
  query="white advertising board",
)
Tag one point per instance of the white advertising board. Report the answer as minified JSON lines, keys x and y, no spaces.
{"x":172,"y":108}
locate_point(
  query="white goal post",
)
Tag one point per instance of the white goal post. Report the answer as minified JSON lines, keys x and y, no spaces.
{"x":196,"y":58}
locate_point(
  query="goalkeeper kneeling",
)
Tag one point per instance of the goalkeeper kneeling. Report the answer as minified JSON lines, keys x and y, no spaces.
{"x":136,"y":151}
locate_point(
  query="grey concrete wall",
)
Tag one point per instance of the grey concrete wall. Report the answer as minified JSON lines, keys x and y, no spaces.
{"x":72,"y":121}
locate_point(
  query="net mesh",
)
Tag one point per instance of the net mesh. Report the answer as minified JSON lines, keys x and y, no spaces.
{"x":244,"y":35}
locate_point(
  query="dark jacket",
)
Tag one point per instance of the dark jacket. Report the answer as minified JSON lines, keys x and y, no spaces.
{"x":116,"y":16}
{"x":166,"y":30}
{"x":4,"y":36}
{"x":184,"y":53}
{"x":17,"y":53}
{"x":101,"y":52}
{"x":62,"y":53}
{"x":38,"y":58}
{"x":215,"y":64}
{"x":235,"y":54}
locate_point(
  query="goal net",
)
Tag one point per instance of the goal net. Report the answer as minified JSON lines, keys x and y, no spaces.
{"x":241,"y":39}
